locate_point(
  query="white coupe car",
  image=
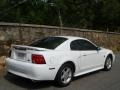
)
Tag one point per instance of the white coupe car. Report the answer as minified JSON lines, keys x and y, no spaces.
{"x":58,"y":58}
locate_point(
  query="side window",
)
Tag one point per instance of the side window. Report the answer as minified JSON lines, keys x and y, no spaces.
{"x":75,"y":45}
{"x":82,"y":45}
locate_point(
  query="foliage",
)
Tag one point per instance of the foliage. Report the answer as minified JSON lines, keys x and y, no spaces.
{"x":91,"y":14}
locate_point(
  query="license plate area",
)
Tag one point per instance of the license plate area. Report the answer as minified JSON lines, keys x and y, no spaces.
{"x":20,"y":56}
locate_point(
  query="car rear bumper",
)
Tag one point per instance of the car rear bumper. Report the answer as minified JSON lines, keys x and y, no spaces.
{"x":29,"y":70}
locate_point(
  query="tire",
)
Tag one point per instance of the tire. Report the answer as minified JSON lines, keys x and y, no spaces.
{"x":64,"y":75}
{"x":108,"y":64}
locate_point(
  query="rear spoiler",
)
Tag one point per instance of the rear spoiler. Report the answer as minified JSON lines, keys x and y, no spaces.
{"x":24,"y":47}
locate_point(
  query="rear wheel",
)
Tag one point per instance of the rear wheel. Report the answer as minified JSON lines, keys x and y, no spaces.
{"x":108,"y":64}
{"x":65,"y":75}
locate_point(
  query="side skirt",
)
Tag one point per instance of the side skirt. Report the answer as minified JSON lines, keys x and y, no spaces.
{"x":88,"y":71}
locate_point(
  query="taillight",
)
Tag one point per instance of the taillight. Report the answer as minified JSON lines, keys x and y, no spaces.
{"x":38,"y":59}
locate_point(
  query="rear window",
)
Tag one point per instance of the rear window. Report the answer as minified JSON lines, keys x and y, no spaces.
{"x":49,"y":42}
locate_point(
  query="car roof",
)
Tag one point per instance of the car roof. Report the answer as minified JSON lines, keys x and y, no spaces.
{"x":71,"y":37}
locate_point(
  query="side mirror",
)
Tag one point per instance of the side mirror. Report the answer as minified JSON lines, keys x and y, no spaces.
{"x":98,"y":48}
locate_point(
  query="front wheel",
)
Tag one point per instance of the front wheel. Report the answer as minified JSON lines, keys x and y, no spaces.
{"x":108,"y":64}
{"x":64,"y":75}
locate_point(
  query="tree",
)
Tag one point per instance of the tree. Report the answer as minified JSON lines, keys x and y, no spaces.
{"x":107,"y":15}
{"x":91,"y":14}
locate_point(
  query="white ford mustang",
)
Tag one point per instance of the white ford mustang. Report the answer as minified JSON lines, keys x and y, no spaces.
{"x":58,"y":58}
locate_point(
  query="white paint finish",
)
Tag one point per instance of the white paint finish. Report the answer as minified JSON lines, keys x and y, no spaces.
{"x":90,"y":60}
{"x":29,"y":70}
{"x":84,"y":61}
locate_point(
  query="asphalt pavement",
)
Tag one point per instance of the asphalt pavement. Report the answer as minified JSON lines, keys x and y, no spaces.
{"x":98,"y":80}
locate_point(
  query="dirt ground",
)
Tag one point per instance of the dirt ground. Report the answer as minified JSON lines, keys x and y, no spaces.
{"x":2,"y":63}
{"x":1,"y":67}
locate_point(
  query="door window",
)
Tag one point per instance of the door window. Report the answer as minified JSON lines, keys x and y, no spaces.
{"x":82,"y":45}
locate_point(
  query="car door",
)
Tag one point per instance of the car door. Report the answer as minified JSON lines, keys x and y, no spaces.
{"x":88,"y":54}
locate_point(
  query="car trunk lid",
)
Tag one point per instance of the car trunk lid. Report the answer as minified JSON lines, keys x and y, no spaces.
{"x":23,"y":53}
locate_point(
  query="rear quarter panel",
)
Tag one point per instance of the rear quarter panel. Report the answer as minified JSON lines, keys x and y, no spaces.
{"x":55,"y":59}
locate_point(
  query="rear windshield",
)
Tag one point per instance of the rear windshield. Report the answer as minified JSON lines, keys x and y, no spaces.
{"x":49,"y":42}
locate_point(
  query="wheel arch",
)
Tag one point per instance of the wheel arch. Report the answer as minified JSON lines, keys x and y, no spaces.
{"x":107,"y":67}
{"x":67,"y":62}
{"x":111,"y":56}
{"x":71,"y":63}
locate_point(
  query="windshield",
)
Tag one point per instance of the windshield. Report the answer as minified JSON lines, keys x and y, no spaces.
{"x":49,"y":42}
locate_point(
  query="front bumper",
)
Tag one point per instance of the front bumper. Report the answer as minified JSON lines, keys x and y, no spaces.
{"x":30,"y":70}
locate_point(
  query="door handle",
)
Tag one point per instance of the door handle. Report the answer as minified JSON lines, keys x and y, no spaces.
{"x":84,"y":55}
